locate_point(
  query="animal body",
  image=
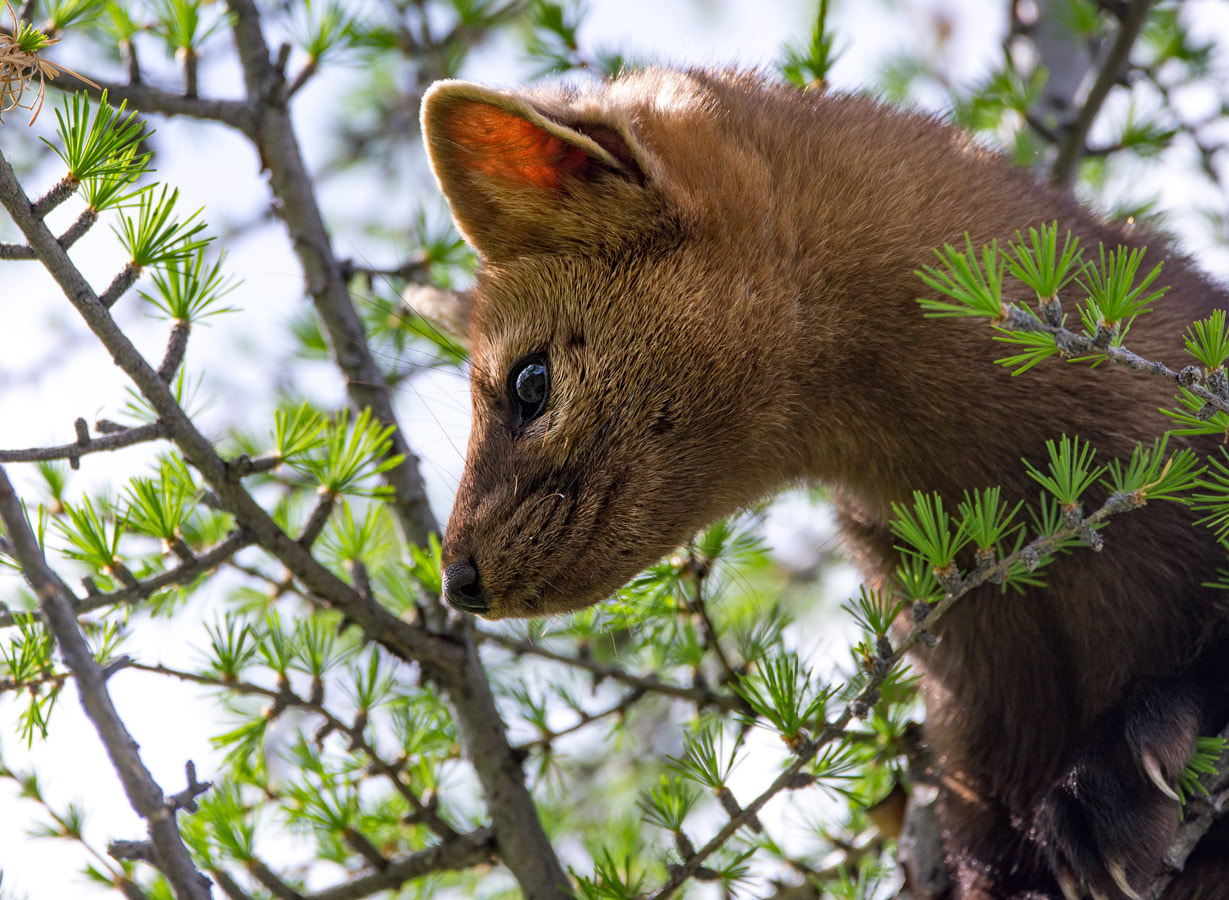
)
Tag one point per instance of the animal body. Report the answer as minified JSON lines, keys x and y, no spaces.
{"x":697,"y":287}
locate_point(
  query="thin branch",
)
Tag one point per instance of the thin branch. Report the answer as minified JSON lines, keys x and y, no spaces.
{"x":54,"y":680}
{"x":524,"y":846}
{"x":190,"y":69}
{"x":147,"y":99}
{"x":132,"y":63}
{"x":1072,"y":148}
{"x":317,"y":520}
{"x":16,"y":252}
{"x":119,"y":285}
{"x":71,"y":235}
{"x":301,"y":79}
{"x":699,"y":607}
{"x":145,"y":796}
{"x":404,"y":640}
{"x":1073,"y":342}
{"x":126,"y":438}
{"x":182,"y":574}
{"x":271,"y":882}
{"x":584,"y":719}
{"x":1198,"y":816}
{"x":229,"y":886}
{"x":284,"y":697}
{"x":292,"y":185}
{"x":860,"y":705}
{"x":649,"y":683}
{"x":463,"y":852}
{"x":186,"y":799}
{"x":362,"y":845}
{"x":414,"y":266}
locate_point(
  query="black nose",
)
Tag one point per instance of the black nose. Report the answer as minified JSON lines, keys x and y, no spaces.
{"x":463,"y":590}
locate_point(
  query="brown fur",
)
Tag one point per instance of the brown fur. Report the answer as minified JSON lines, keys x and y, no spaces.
{"x":720,"y":270}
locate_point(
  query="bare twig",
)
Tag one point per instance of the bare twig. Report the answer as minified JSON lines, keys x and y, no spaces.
{"x":145,"y":98}
{"x":1072,"y":148}
{"x":648,"y":683}
{"x":186,"y":799}
{"x":126,"y":438}
{"x":463,"y":852}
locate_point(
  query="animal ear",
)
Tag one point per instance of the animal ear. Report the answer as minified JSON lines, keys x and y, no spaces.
{"x":519,"y":179}
{"x":446,"y":310}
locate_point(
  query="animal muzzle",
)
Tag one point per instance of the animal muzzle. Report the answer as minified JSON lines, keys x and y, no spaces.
{"x":462,"y":588}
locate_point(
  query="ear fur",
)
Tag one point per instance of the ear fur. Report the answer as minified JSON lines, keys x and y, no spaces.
{"x":518,"y":179}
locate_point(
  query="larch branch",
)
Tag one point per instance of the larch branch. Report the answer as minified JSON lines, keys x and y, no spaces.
{"x":56,"y":602}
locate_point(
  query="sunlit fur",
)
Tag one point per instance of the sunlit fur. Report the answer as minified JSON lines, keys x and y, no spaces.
{"x":727,"y":297}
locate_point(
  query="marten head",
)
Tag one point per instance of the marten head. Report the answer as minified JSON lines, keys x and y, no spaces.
{"x":615,"y":412}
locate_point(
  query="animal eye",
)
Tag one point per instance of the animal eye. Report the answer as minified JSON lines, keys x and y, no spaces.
{"x":529,"y":386}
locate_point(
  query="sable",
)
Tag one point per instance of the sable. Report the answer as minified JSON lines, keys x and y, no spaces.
{"x":698,"y":287}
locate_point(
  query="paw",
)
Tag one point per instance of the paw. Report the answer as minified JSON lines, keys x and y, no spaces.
{"x":1107,"y":822}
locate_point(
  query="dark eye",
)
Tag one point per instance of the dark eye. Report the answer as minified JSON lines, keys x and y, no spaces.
{"x":529,"y":386}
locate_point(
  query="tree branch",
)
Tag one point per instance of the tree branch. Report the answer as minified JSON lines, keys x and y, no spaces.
{"x":125,"y":438}
{"x":147,"y":99}
{"x":237,"y":540}
{"x":401,"y":638}
{"x":278,"y":145}
{"x":1072,"y":148}
{"x":525,"y":848}
{"x":648,"y":683}
{"x":463,"y":852}
{"x":860,"y":705}
{"x":283,"y":698}
{"x":1069,"y":342}
{"x":145,"y":796}
{"x":523,"y":844}
{"x":74,"y":233}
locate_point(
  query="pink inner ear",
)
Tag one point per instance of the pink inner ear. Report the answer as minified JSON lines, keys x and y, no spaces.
{"x":501,"y":145}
